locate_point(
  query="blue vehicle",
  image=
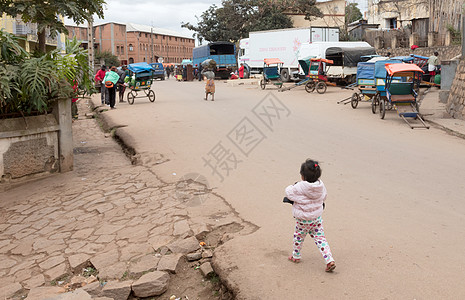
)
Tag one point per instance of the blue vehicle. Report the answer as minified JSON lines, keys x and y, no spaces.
{"x":365,"y":83}
{"x":380,"y":82}
{"x":158,"y":70}
{"x":223,"y":53}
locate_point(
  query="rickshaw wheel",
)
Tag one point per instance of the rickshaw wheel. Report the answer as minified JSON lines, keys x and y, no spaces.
{"x":131,"y":98}
{"x":321,"y":87}
{"x":382,"y":108}
{"x":151,"y":95}
{"x":374,"y":103}
{"x":310,"y":86}
{"x":262,"y":84}
{"x":354,"y":100}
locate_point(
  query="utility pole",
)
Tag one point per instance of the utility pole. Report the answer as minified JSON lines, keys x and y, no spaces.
{"x":151,"y":43}
{"x":90,"y":43}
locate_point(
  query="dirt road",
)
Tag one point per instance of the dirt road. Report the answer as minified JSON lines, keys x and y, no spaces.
{"x":394,"y":214}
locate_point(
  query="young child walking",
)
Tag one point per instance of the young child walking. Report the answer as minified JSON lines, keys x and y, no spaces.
{"x":307,"y":198}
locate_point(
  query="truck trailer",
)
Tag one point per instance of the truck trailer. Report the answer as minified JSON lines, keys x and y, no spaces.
{"x":283,"y":44}
{"x":223,"y":53}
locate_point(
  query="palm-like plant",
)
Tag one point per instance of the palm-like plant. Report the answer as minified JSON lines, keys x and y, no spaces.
{"x":30,"y":84}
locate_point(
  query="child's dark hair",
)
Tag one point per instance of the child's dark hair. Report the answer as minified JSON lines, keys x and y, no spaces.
{"x":310,"y":170}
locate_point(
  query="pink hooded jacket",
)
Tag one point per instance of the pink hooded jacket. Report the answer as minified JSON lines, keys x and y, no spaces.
{"x":308,"y":199}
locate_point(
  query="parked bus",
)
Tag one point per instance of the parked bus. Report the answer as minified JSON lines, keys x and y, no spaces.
{"x":223,"y":53}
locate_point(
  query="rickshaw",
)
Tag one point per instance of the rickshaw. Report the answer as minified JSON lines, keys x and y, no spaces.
{"x":140,"y":79}
{"x":380,"y":82}
{"x":315,"y":70}
{"x":402,"y":82}
{"x":271,"y":68}
{"x":365,"y":83}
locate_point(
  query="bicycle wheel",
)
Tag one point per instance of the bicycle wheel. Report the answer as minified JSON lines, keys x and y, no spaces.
{"x":321,"y":87}
{"x":131,"y":97}
{"x":374,"y":103}
{"x":151,"y":95}
{"x":354,"y":100}
{"x":310,"y":86}
{"x":262,"y":84}
{"x":382,"y":108}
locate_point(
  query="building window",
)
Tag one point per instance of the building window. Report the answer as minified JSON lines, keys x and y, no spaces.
{"x":131,"y":60}
{"x":122,"y":49}
{"x":131,"y":48}
{"x":391,"y":23}
{"x":117,"y":50}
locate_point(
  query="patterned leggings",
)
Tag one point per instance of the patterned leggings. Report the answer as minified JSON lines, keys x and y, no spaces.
{"x":316,"y":231}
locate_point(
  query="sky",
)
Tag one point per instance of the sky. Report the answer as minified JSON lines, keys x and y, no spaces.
{"x":168,"y":14}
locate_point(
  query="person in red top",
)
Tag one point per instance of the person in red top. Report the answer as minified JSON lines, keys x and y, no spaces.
{"x":74,"y":108}
{"x":241,"y":71}
{"x":103,"y":90}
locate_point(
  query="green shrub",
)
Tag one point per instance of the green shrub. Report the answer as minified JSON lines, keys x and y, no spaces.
{"x":30,"y":85}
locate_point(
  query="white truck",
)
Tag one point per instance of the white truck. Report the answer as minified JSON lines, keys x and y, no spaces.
{"x":283,"y":44}
{"x":345,"y":56}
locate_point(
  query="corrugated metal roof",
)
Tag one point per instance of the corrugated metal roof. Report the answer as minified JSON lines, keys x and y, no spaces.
{"x":156,"y":30}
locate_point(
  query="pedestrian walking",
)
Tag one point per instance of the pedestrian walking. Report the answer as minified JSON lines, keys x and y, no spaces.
{"x":121,"y":86}
{"x":209,"y":84}
{"x":168,"y":71}
{"x":110,"y":80}
{"x":433,"y":62}
{"x":307,"y":198}
{"x":103,"y":90}
{"x":200,"y":72}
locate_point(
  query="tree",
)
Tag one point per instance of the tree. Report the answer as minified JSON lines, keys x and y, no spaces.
{"x":109,"y":58}
{"x":353,"y":13}
{"x":236,"y":18}
{"x":47,"y":14}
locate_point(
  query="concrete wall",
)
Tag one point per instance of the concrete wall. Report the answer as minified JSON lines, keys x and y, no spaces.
{"x":37,"y":144}
{"x":456,"y":102}
{"x":445,"y":52}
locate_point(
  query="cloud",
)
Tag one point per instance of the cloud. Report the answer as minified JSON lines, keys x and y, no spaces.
{"x":168,"y":14}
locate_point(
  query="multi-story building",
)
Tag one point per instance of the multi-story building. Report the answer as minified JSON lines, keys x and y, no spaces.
{"x":111,"y":37}
{"x":150,"y":44}
{"x":333,"y":15}
{"x":429,"y":20}
{"x":137,"y":43}
{"x":29,"y":32}
{"x":80,"y":33}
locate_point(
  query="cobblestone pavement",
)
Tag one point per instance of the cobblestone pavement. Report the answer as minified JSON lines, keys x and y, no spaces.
{"x":106,"y":212}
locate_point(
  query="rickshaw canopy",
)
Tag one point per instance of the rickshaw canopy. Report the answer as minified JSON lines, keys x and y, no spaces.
{"x":328,"y":61}
{"x":140,"y":67}
{"x":272,"y":61}
{"x":403,"y":67}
